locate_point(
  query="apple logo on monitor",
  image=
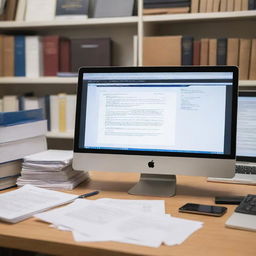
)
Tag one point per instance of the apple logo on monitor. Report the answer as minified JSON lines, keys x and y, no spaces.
{"x":151,"y":164}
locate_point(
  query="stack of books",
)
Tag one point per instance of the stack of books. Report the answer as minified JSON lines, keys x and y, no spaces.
{"x":21,"y":133}
{"x":166,"y":6}
{"x":51,"y":169}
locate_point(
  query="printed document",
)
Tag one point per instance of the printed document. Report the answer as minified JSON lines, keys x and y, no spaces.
{"x":28,"y":200}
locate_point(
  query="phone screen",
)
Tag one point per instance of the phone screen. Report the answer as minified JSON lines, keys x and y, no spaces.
{"x":203,"y":209}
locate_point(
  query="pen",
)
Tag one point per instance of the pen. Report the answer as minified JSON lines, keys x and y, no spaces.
{"x":89,"y":194}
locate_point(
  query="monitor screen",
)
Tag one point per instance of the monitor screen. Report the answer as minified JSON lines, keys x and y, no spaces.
{"x":246,"y":126}
{"x":157,"y":112}
{"x":157,"y":120}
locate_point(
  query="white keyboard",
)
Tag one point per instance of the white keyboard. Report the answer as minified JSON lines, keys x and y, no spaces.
{"x":239,"y":178}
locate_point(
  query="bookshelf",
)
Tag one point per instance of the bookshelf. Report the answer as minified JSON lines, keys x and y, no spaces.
{"x":122,"y":31}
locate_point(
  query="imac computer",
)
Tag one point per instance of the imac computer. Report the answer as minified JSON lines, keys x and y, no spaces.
{"x":158,"y":121}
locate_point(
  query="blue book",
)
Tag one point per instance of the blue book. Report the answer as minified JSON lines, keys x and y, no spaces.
{"x":19,"y":56}
{"x":20,"y":117}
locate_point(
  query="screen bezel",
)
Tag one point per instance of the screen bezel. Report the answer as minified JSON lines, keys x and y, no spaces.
{"x":246,"y":158}
{"x":84,"y":70}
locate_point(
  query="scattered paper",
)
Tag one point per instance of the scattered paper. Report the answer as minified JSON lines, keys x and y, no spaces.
{"x":141,"y":222}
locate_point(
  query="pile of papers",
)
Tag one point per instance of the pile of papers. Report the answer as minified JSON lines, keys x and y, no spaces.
{"x":141,"y":222}
{"x":22,"y":203}
{"x":51,"y":169}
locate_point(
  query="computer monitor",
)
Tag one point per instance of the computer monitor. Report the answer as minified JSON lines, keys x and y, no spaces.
{"x":158,"y":121}
{"x":246,"y":126}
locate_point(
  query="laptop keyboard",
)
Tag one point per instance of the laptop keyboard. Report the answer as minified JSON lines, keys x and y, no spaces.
{"x":248,"y":205}
{"x":245,"y":169}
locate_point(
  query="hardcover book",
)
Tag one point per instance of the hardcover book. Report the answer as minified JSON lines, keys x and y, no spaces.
{"x":90,"y":52}
{"x":111,"y":8}
{"x":19,"y":117}
{"x":162,"y":51}
{"x":187,"y":50}
{"x":71,"y":9}
{"x":50,"y":55}
{"x":19,"y":64}
{"x":221,"y":51}
{"x":8,"y":55}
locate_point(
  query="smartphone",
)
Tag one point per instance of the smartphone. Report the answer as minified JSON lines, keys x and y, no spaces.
{"x":203,"y":209}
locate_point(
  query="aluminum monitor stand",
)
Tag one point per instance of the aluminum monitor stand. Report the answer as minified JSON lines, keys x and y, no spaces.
{"x":155,"y":185}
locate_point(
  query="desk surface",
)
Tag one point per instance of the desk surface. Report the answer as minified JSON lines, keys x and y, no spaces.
{"x":212,"y":239}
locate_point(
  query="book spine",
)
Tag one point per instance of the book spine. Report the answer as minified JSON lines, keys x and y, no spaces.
{"x":65,"y":62}
{"x":8,"y":56}
{"x":20,"y":56}
{"x":216,"y":6}
{"x":244,"y":58}
{"x":230,"y":5}
{"x":232,"y":51}
{"x":237,"y":5}
{"x":196,"y":52}
{"x":33,"y":56}
{"x":194,"y":6}
{"x":223,"y":5}
{"x":187,"y":50}
{"x":50,"y":55}
{"x":251,"y":4}
{"x":202,"y":5}
{"x":54,"y":113}
{"x":244,"y":5}
{"x":47,"y":111}
{"x":252,"y":73}
{"x":1,"y":55}
{"x":62,"y":112}
{"x":204,"y":52}
{"x":209,"y":6}
{"x":212,"y":52}
{"x":221,"y":51}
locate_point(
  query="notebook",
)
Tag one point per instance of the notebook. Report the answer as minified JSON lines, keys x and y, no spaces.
{"x":245,"y":172}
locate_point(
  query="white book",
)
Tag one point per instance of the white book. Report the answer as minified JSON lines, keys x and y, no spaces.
{"x":20,"y":148}
{"x":54,"y":113}
{"x":1,"y":105}
{"x":25,"y":130}
{"x":31,"y":103}
{"x":33,"y":55}
{"x":135,"y":51}
{"x":71,"y":113}
{"x":10,"y":103}
{"x":23,"y":203}
{"x":21,"y":8}
{"x":40,"y":10}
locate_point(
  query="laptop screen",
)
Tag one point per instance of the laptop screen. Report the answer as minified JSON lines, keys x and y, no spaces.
{"x":246,"y":126}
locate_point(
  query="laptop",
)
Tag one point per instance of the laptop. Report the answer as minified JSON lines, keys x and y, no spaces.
{"x":245,"y":172}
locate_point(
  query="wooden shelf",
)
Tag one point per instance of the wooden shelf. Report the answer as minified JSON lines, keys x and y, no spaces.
{"x":60,"y":135}
{"x":38,"y":80}
{"x":70,"y":80}
{"x":7,"y":25}
{"x":239,"y":15}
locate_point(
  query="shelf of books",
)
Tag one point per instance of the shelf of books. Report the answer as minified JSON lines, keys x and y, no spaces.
{"x":7,"y":25}
{"x":239,"y":15}
{"x":38,"y":80}
{"x":73,"y":80}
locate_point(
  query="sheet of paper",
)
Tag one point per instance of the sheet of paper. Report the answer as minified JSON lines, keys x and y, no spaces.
{"x":27,"y":200}
{"x":103,"y":220}
{"x":146,"y":206}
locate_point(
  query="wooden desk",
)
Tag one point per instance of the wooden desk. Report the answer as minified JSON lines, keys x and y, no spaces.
{"x":212,"y":239}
